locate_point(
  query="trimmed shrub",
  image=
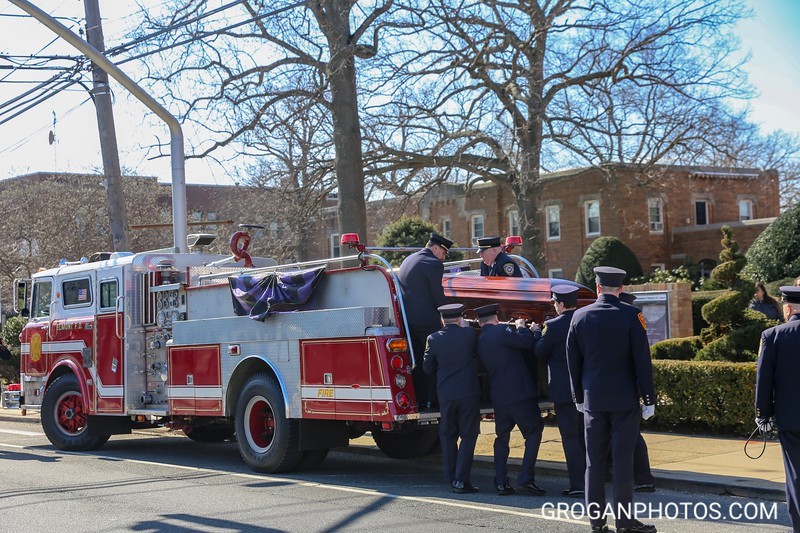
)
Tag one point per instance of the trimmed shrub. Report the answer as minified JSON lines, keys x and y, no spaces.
{"x":408,"y":232}
{"x":608,"y":251}
{"x":699,"y":299}
{"x":776,"y":251}
{"x":684,"y":348}
{"x":716,"y":397}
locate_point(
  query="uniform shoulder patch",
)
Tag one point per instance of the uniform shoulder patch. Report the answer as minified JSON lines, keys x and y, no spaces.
{"x":508,"y":268}
{"x":544,"y":329}
{"x":642,"y":321}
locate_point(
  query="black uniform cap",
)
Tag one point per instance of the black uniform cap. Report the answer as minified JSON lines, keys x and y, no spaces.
{"x":791,"y":295}
{"x":484,"y":243}
{"x":487,"y":310}
{"x":451,"y":310}
{"x":627,"y":298}
{"x":444,"y":242}
{"x":566,"y":294}
{"x":609,"y":276}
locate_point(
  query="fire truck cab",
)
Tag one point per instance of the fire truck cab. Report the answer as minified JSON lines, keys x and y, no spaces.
{"x":291,"y":359}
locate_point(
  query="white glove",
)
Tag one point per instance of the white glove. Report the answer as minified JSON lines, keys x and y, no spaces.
{"x":765,"y":424}
{"x":648,"y":411}
{"x":579,"y":407}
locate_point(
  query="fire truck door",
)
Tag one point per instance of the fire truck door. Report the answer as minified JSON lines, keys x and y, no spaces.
{"x":109,"y":354}
{"x":37,"y":334}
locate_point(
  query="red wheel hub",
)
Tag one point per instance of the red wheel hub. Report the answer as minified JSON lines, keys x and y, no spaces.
{"x":70,"y":414}
{"x":262,"y":424}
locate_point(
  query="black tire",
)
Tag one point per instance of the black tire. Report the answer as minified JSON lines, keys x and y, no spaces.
{"x":268,"y":441}
{"x":312,"y":459}
{"x":408,"y":444}
{"x":64,"y":417}
{"x":210,"y":433}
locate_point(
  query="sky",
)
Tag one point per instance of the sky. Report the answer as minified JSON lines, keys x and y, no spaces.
{"x":771,"y":37}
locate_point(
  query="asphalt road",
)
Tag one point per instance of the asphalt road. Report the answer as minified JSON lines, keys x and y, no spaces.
{"x":153,"y":482}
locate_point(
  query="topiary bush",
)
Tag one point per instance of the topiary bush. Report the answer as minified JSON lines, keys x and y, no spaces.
{"x":408,"y":232}
{"x":683,"y":349}
{"x":776,"y":251}
{"x":733,"y":331}
{"x":608,"y":251}
{"x":699,"y":299}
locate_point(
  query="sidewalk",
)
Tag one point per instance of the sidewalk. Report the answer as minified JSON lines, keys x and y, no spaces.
{"x":680,"y":462}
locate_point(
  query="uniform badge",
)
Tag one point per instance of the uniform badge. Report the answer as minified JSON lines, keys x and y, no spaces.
{"x":508,"y":268}
{"x":641,"y":319}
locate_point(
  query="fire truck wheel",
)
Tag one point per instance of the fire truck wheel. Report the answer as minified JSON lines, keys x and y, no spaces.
{"x":268,"y":441}
{"x":312,"y":459}
{"x":64,"y":417}
{"x":407,"y":444}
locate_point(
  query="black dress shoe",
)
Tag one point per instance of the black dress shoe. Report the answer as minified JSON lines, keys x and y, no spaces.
{"x":505,"y":490}
{"x":464,"y":488}
{"x":531,"y":488}
{"x":573,"y":493}
{"x":600,"y":529}
{"x":637,"y":527}
{"x":645,"y":487}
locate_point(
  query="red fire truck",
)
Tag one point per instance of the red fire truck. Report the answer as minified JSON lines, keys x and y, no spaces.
{"x":291,"y":359}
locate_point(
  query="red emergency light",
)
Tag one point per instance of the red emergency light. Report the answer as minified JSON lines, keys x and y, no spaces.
{"x":352,"y":240}
{"x":512,"y":241}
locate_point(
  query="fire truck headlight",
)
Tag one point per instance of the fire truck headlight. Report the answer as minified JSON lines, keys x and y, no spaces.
{"x":400,"y":381}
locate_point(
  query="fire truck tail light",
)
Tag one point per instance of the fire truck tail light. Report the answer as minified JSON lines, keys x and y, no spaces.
{"x":513,"y":240}
{"x":397,"y":345}
{"x":400,"y":381}
{"x":397,"y":362}
{"x":234,"y":349}
{"x":402,"y":400}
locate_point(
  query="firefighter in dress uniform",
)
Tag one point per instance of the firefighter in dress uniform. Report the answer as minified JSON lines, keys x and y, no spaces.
{"x":494,"y":261}
{"x":450,"y":360}
{"x":502,"y":350}
{"x":551,"y":346}
{"x":643,"y":480}
{"x":420,"y":277}
{"x":608,"y":357}
{"x":777,"y":381}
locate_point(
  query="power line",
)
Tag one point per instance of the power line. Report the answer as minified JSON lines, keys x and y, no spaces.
{"x":25,"y":140}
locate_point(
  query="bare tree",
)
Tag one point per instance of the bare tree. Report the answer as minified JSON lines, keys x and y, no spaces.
{"x":505,"y":90}
{"x":226,"y":67}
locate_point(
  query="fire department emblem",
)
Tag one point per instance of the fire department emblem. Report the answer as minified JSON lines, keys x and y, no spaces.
{"x":36,"y":348}
{"x":508,"y":268}
{"x":641,"y":319}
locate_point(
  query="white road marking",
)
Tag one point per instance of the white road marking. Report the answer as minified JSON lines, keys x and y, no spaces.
{"x":340,"y":488}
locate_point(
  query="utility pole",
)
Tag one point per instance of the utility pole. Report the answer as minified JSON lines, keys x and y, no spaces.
{"x":117,"y":216}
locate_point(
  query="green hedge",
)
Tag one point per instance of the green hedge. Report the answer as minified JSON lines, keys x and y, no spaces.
{"x":682,"y":348}
{"x":706,"y":396}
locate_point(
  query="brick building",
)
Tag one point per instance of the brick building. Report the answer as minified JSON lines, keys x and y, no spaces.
{"x":666,"y":214}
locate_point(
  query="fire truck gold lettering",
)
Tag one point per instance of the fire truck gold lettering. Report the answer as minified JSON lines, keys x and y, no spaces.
{"x":324,"y":393}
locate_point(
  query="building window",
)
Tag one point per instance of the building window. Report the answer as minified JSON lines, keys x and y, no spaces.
{"x":658,"y":266}
{"x":476,"y":223}
{"x":513,"y":222}
{"x":701,"y":212}
{"x":592,"y":212}
{"x":336,"y":246}
{"x":446,"y":227}
{"x":745,"y":210}
{"x":655,"y":210}
{"x":553,"y":216}
{"x":556,"y":273}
